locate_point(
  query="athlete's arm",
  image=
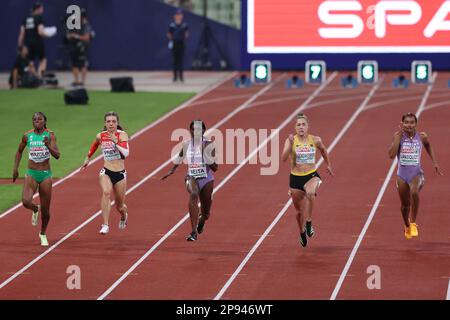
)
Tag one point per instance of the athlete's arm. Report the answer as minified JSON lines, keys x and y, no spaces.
{"x":18,"y":157}
{"x":323,"y":150}
{"x":51,"y":145}
{"x":393,"y":150}
{"x":210,"y":156}
{"x":92,"y":150}
{"x":430,"y":151}
{"x":122,"y":144}
{"x":177,"y":161}
{"x":287,"y":147}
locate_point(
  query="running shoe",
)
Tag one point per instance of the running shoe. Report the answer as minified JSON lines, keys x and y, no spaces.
{"x":192,"y":236}
{"x":309,"y":229}
{"x":123,"y":222}
{"x":303,"y":239}
{"x":35,"y":216}
{"x":201,"y":225}
{"x":104,"y":229}
{"x":44,"y":241}
{"x":413,"y":229}
{"x":408,"y":232}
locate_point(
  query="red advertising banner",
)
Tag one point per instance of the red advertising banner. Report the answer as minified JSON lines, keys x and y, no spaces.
{"x":353,"y":26}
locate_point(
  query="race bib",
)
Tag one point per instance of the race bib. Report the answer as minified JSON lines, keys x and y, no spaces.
{"x":197,"y":171}
{"x":39,"y":154}
{"x":110,"y":153}
{"x":305,"y":155}
{"x":409,"y":155}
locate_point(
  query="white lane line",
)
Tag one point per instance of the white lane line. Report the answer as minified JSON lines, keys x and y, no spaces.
{"x":223,"y":182}
{"x":184,"y":105}
{"x":289,"y":202}
{"x":154,"y":172}
{"x":377,"y":202}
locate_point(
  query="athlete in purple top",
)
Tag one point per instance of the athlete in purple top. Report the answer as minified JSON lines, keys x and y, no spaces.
{"x":407,"y":147}
{"x":200,"y":155}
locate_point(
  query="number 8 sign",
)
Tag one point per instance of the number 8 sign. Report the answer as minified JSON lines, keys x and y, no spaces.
{"x":421,"y":71}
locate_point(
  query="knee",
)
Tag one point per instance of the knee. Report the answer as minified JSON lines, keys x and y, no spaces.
{"x":415,"y":193}
{"x":121,"y":207}
{"x":405,"y":207}
{"x":26,"y":202}
{"x":106,"y":193}
{"x":310,"y":194}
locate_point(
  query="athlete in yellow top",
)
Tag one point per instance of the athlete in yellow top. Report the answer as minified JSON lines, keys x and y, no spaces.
{"x":304,"y":179}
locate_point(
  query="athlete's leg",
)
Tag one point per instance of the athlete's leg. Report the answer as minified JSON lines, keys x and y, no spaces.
{"x":29,"y":189}
{"x":106,"y":185}
{"x":404,"y":193}
{"x":298,"y":199}
{"x":120,"y":189}
{"x":45,"y":194}
{"x":206,"y":199}
{"x":192,"y":188}
{"x":311,"y":188}
{"x":206,"y":202}
{"x":415,"y":187}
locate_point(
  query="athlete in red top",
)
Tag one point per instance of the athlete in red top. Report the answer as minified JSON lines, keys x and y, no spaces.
{"x":114,"y":143}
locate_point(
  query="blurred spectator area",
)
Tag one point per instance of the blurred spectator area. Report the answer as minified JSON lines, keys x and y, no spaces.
{"x":224,"y":11}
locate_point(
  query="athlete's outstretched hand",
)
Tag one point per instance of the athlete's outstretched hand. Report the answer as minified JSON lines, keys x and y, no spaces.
{"x":85,"y":164}
{"x":438,"y":169}
{"x":15,"y":175}
{"x":166,"y":175}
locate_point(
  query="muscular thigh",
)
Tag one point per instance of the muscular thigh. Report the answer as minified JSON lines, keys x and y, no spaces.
{"x":119,"y":191}
{"x":403,"y":191}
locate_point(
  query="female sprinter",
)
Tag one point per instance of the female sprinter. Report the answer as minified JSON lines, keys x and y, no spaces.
{"x":200,"y":153}
{"x":407,"y":146}
{"x":304,"y":179}
{"x":113,"y":176}
{"x":41,"y":143}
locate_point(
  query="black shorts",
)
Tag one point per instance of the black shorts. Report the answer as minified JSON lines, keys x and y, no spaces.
{"x":36,"y":50}
{"x":298,"y":182}
{"x":79,"y":60}
{"x":115,"y":176}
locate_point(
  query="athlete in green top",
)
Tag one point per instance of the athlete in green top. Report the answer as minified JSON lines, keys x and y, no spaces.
{"x":41,"y":143}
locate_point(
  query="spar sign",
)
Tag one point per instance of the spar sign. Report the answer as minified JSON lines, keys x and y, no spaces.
{"x":353,"y":26}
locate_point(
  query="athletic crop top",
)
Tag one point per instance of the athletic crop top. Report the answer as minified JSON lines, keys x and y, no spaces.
{"x":37,"y":150}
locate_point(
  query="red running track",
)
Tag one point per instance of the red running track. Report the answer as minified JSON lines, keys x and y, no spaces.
{"x":242,"y":210}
